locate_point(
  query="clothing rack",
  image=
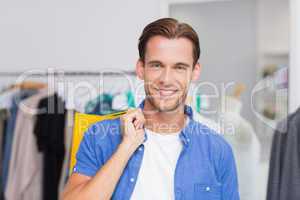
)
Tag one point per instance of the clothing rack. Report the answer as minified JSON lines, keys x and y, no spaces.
{"x":54,"y":77}
{"x":70,"y":73}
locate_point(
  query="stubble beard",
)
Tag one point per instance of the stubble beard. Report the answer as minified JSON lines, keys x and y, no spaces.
{"x":161,"y":108}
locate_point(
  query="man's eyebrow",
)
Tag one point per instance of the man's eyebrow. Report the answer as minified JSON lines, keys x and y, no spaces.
{"x":154,"y":62}
{"x":182,"y":64}
{"x":176,"y":64}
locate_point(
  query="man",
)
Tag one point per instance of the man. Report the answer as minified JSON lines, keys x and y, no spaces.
{"x":157,"y":152}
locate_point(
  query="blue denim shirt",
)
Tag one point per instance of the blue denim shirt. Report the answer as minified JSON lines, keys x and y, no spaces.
{"x":205,"y":168}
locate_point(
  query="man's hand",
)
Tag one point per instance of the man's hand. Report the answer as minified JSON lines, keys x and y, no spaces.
{"x":81,"y":187}
{"x":132,"y":125}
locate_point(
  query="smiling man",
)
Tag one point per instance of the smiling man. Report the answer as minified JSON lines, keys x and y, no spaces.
{"x":157,"y":152}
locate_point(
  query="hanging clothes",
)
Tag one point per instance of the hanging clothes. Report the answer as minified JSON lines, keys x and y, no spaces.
{"x":102,"y":105}
{"x":69,"y":125}
{"x":284,"y":174}
{"x":49,"y":132}
{"x":3,"y":118}
{"x":9,"y":134}
{"x":120,"y":102}
{"x":26,"y":167}
{"x":6,"y":98}
{"x":123,"y":101}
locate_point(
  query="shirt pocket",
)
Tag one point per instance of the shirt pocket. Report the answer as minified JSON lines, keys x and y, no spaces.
{"x":204,"y":191}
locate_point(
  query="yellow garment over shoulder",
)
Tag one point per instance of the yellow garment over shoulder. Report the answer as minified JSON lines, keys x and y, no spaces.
{"x":81,"y":124}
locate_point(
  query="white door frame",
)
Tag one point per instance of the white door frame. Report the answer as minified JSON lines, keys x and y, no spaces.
{"x":294,"y":68}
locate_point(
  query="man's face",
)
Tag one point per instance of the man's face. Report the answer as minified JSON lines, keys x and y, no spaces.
{"x":167,"y":71}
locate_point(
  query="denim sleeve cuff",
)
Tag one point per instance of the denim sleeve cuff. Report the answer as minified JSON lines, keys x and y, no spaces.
{"x":84,"y":171}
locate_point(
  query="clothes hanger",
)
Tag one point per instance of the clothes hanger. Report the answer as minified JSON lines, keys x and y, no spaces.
{"x":238,"y":90}
{"x":29,"y":85}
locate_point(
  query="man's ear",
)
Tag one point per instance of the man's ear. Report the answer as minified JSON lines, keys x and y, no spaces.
{"x":140,"y":69}
{"x":196,"y":71}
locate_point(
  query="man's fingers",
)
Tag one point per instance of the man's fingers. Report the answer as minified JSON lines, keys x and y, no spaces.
{"x":136,"y":116}
{"x":139,"y":121}
{"x":140,"y":116}
{"x":140,"y":131}
{"x":136,"y":124}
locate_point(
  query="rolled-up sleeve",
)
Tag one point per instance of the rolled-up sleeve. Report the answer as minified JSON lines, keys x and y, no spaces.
{"x":228,"y":172}
{"x":87,"y":160}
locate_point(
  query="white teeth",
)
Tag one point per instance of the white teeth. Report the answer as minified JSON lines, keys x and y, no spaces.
{"x":166,"y":92}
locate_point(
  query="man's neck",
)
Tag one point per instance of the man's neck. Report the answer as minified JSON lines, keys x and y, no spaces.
{"x":164,"y":121}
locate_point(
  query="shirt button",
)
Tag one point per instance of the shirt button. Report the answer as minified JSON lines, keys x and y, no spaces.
{"x":132,"y":180}
{"x":178,"y":192}
{"x":207,"y":189}
{"x":188,"y":140}
{"x":141,"y":148}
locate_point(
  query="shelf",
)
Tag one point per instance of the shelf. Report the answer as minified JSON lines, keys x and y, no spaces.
{"x":276,"y":53}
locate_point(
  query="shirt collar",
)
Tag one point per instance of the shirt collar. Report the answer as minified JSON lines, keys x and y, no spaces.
{"x":184,"y":137}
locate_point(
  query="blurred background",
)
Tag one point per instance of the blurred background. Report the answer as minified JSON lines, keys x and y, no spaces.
{"x":81,"y":55}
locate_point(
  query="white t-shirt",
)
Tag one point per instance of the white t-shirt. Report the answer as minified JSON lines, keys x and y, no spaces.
{"x":156,"y":176}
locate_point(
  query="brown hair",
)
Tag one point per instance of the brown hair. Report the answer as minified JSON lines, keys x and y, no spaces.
{"x":169,"y":28}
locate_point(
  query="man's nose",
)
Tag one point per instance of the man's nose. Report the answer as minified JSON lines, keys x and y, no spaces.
{"x":166,"y":76}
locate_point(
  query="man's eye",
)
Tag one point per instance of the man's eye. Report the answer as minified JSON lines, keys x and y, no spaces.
{"x":180,"y":67}
{"x":156,"y":65}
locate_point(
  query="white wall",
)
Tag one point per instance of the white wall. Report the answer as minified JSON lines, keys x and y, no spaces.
{"x":72,"y":35}
{"x":273,"y":17}
{"x":273,"y":25}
